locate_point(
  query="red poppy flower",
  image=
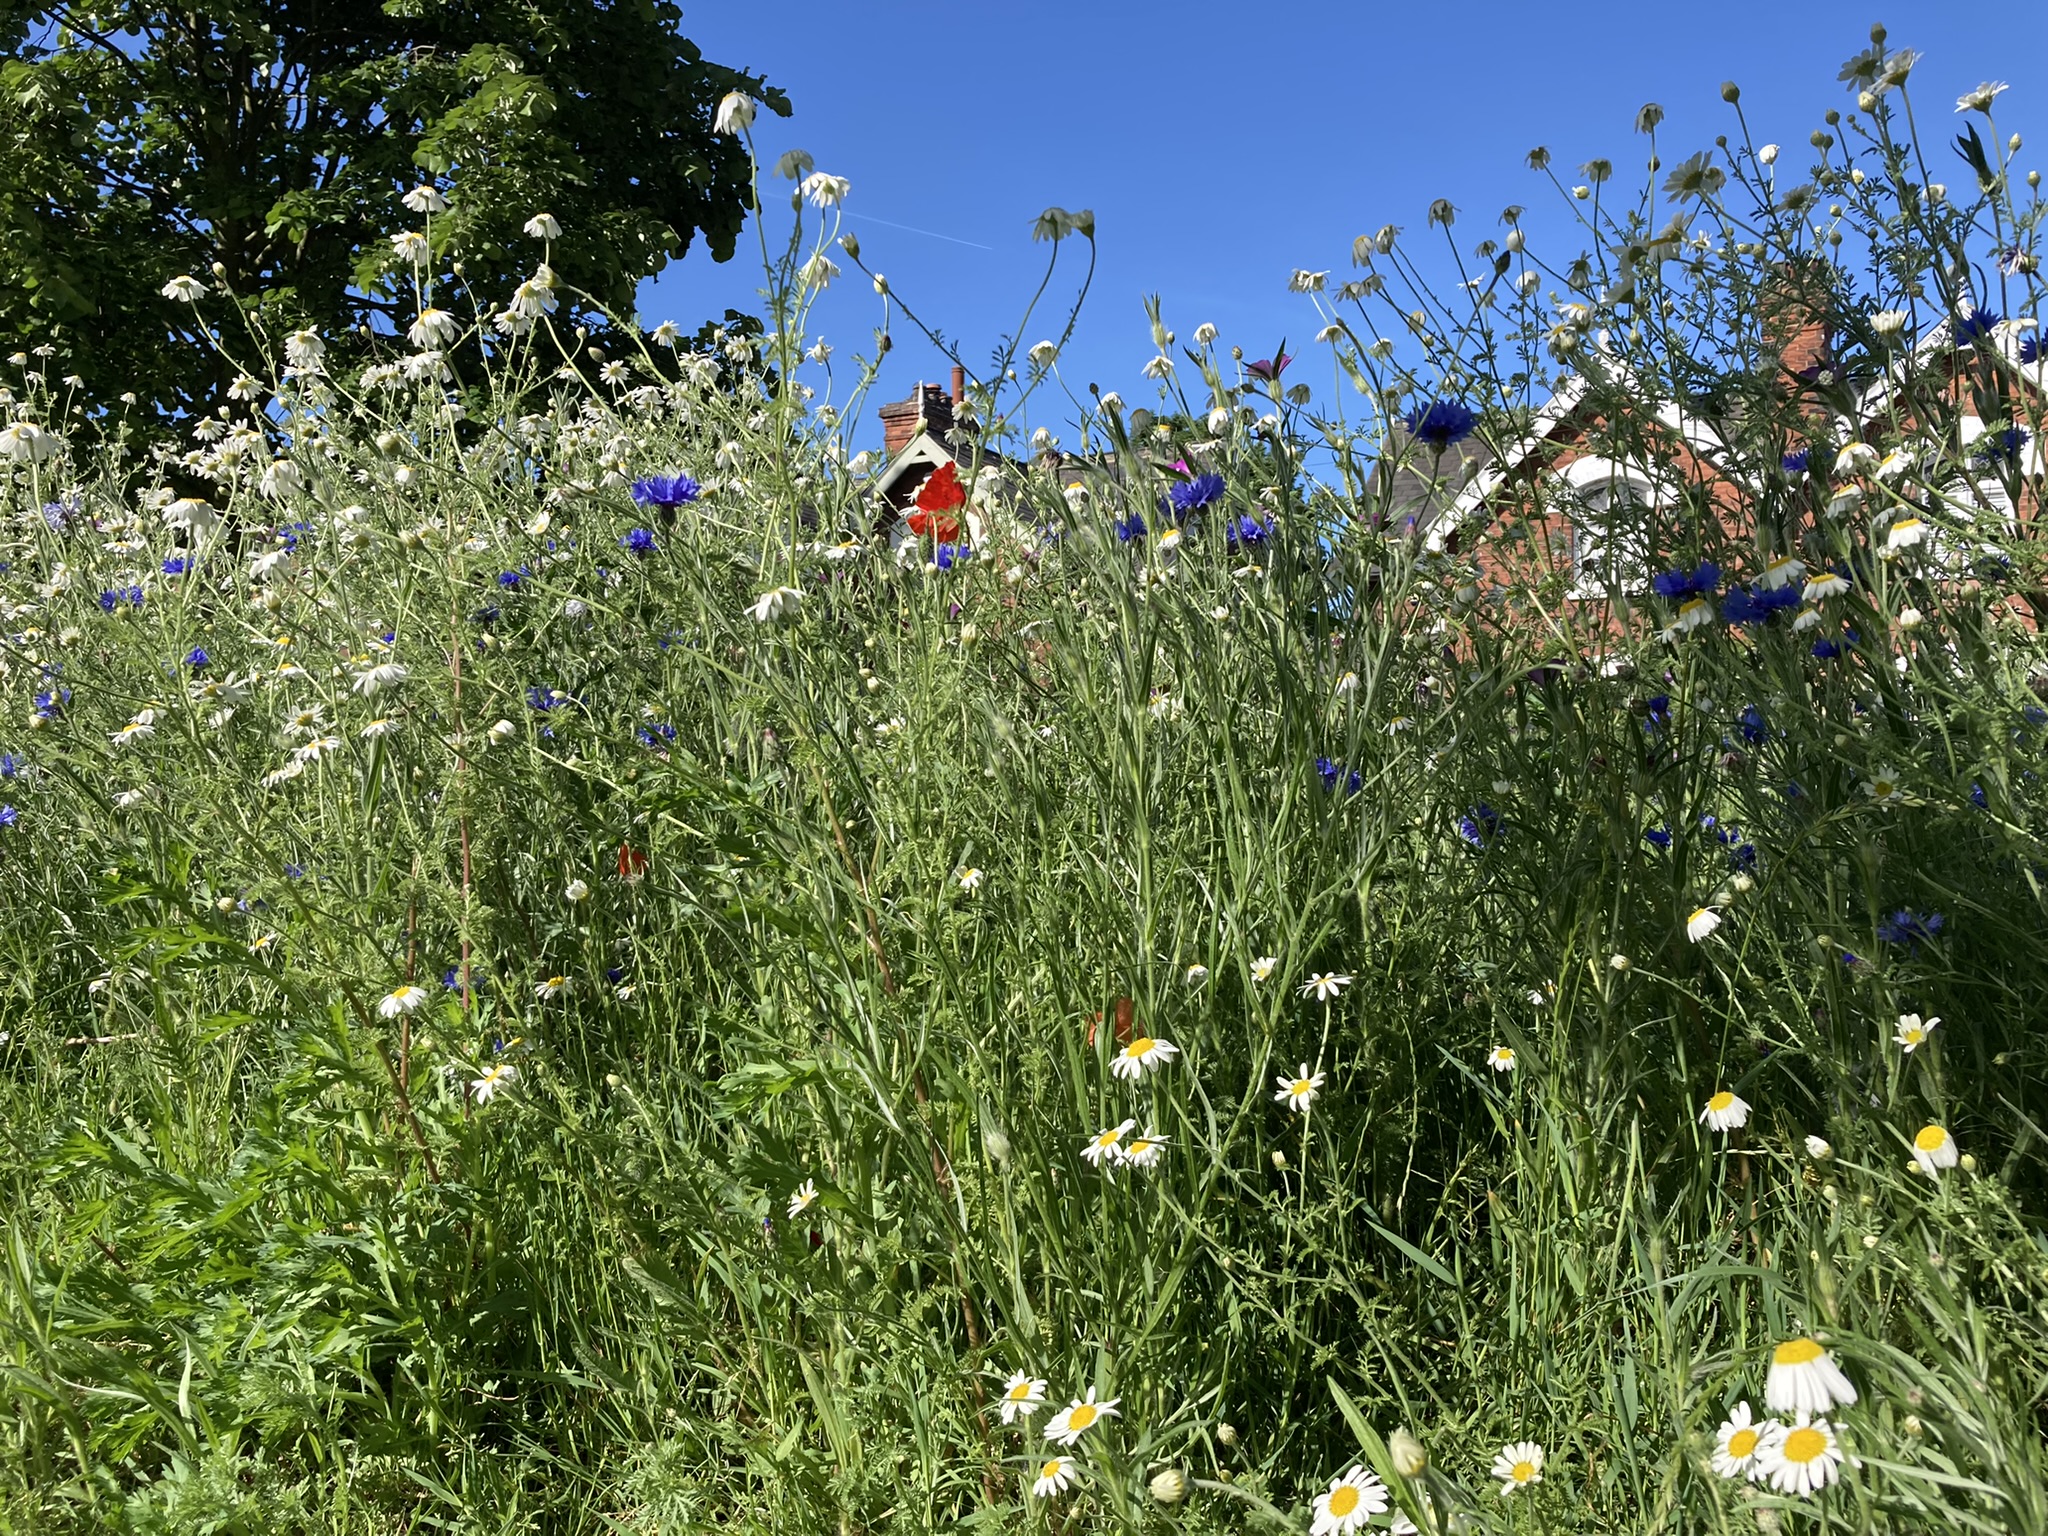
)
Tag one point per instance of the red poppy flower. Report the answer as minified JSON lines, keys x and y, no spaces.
{"x":943,"y":492}
{"x":632,"y":864}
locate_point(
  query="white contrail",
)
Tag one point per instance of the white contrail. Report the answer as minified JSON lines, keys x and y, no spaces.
{"x":913,"y":229}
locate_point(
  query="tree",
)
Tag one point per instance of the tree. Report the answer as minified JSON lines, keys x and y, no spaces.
{"x":267,"y":147}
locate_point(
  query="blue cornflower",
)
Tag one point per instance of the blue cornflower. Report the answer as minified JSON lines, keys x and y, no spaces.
{"x":615,"y":974}
{"x":655,"y":733}
{"x":2002,"y":447}
{"x":1751,"y":723}
{"x":1480,"y":825}
{"x":1330,"y":772}
{"x":1795,"y":462}
{"x":1978,"y":798}
{"x":1193,"y":495}
{"x":509,"y":580}
{"x":1850,"y":957}
{"x":1826,"y":650}
{"x":947,"y":555}
{"x":196,"y":658}
{"x":8,"y":815}
{"x":51,"y":700}
{"x":109,"y":601}
{"x":1741,"y":855}
{"x":10,"y":765}
{"x":1248,"y":531}
{"x":1976,"y":324}
{"x":1744,"y":606}
{"x":666,"y":491}
{"x":1132,"y":527}
{"x":1699,"y":582}
{"x":178,"y":565}
{"x":1657,"y":709}
{"x":1908,"y":927}
{"x":1441,"y":423}
{"x":2030,"y":348}
{"x":640,"y":541}
{"x":1657,"y":837}
{"x":58,"y":514}
{"x":547,"y":698}
{"x":484,"y":616}
{"x":294,"y":871}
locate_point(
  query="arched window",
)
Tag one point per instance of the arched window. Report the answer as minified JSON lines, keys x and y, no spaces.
{"x":1610,"y":508}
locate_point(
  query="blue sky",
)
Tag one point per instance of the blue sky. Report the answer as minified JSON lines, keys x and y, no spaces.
{"x":1221,"y":146}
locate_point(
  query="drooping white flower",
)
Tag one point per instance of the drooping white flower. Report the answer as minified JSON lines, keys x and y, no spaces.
{"x":775,"y":606}
{"x":543,"y":226}
{"x":825,"y":191}
{"x":1934,"y":1149}
{"x":1906,"y":533}
{"x":576,"y":892}
{"x":1703,"y":922}
{"x":410,"y":247}
{"x":385,"y":675}
{"x":1981,"y":98}
{"x":433,"y":328}
{"x":1889,"y":323}
{"x":551,"y":988}
{"x":1725,"y":1112}
{"x":137,"y":730}
{"x":1804,"y":1379}
{"x":425,"y":199}
{"x":1819,"y":1149}
{"x":735,"y":113}
{"x":1143,"y":1151}
{"x":1782,"y":572}
{"x":184,"y":290}
{"x":1144,"y":1054}
{"x":402,"y":1000}
{"x":23,"y":442}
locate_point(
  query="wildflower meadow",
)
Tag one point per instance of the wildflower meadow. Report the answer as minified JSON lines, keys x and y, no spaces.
{"x":1295,"y":960}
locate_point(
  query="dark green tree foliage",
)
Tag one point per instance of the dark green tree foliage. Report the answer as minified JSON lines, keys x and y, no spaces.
{"x":277,"y":138}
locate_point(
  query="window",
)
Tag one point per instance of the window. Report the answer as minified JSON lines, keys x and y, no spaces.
{"x":1610,"y":512}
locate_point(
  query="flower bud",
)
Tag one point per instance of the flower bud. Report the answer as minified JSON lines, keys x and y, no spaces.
{"x":1279,"y":1158}
{"x":850,"y":243}
{"x":1169,"y":1485}
{"x":1969,"y":1162}
{"x":1619,"y":962}
{"x":881,"y":285}
{"x":1226,"y":1435}
{"x":1730,"y":92}
{"x":1410,"y":1459}
{"x":1865,"y":102}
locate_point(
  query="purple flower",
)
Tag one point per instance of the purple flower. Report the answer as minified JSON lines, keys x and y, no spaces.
{"x":1441,"y":423}
{"x":8,"y":816}
{"x":176,"y":566}
{"x":1270,"y":368}
{"x":1751,"y":723}
{"x":666,"y":491}
{"x":1657,"y":837}
{"x":196,"y":658}
{"x":1975,"y":325}
{"x":1248,"y":531}
{"x":946,"y":556}
{"x":1330,"y":772}
{"x":509,"y":580}
{"x":1480,"y":826}
{"x":1132,"y":527}
{"x":1794,"y":463}
{"x":639,"y":541}
{"x":1907,"y":927}
{"x":1699,"y":582}
{"x":1195,"y":494}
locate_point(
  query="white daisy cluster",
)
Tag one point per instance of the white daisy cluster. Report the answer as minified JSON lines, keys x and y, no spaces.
{"x":1801,"y":1452}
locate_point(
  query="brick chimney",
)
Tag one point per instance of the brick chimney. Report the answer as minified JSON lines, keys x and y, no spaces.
{"x":929,"y":409}
{"x":1794,"y":306}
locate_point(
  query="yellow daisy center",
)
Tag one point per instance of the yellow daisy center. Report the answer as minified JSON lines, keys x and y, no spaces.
{"x":1343,"y":1499}
{"x":1914,"y":1036}
{"x":1140,"y":1047}
{"x":1082,"y":1416}
{"x":1522,"y":1471}
{"x":1932,"y":1138}
{"x":1301,"y":1087}
{"x":1742,"y":1443}
{"x":1797,"y":1352}
{"x":1720,"y":1101}
{"x":1019,"y":1392}
{"x":1138,"y":1147}
{"x":1803,"y":1445}
{"x":1108,"y":1138}
{"x":1050,"y":1469}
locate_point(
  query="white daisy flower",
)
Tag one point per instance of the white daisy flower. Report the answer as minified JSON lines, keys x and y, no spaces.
{"x":400,"y":1001}
{"x":1934,"y":1149}
{"x":552,"y":988}
{"x":1737,"y":1443}
{"x":1883,"y":787}
{"x":969,"y":880}
{"x":1782,"y":572}
{"x":543,"y":226}
{"x":1703,"y":922}
{"x":773,"y":607}
{"x":1054,"y":1477}
{"x":1801,"y":1458}
{"x":386,"y":674}
{"x":1023,"y":1395}
{"x":1912,"y":1032}
{"x":1144,"y":1054}
{"x":1819,"y":1148}
{"x":1072,"y":1421}
{"x":1325,"y":985}
{"x":383,"y":725}
{"x":1501,"y":1058}
{"x":1725,"y":1112}
{"x":1143,"y":1151}
{"x":1905,"y":533}
{"x":1826,"y":584}
{"x":1299,"y":1091}
{"x":1352,"y":1500}
{"x":1196,"y":975}
{"x":1264,"y":967}
{"x":494,"y":1077}
{"x":1518,"y":1465}
{"x":802,"y":1198}
{"x":576,"y":891}
{"x":1106,"y":1143}
{"x":1693,"y":613}
{"x":1804,"y":1379}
